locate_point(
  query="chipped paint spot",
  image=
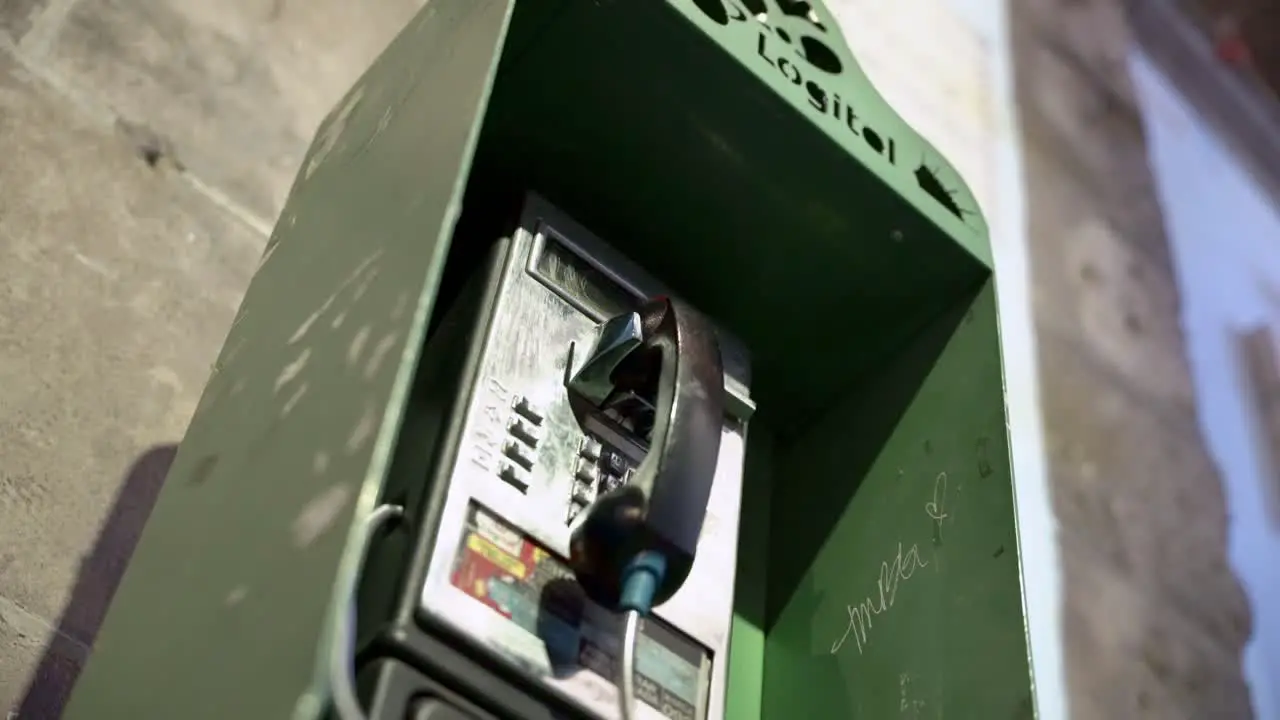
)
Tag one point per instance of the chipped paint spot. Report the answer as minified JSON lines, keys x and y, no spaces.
{"x":356,"y":348}
{"x":293,"y":369}
{"x":231,"y":354}
{"x":364,"y":265}
{"x":271,"y":250}
{"x":294,"y":399}
{"x":94,"y":266}
{"x":236,"y":596}
{"x":208,"y":399}
{"x":320,"y":463}
{"x":364,"y":429}
{"x":292,"y":219}
{"x":305,"y":327}
{"x":363,"y":287}
{"x":320,"y":513}
{"x":402,"y":304}
{"x":315,"y":316}
{"x":332,"y":132}
{"x":378,"y":355}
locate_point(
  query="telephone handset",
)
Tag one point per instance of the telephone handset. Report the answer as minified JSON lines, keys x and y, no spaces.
{"x":666,"y":352}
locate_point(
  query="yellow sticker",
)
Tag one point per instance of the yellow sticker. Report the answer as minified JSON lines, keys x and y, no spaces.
{"x":490,"y":552}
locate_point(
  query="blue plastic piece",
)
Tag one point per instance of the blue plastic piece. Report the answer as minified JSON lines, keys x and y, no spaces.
{"x":640,"y":581}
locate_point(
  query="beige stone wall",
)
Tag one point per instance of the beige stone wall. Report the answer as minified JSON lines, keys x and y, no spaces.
{"x":1154,"y":620}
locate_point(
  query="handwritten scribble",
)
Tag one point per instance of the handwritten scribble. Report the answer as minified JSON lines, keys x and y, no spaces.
{"x":936,"y":508}
{"x":907,"y":705}
{"x":861,"y":616}
{"x":984,"y":458}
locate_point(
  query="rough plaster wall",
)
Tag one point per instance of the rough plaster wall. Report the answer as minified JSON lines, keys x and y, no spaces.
{"x":1155,"y":621}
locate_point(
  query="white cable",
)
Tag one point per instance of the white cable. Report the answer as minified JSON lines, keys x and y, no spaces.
{"x":627,"y":672}
{"x":346,"y":702}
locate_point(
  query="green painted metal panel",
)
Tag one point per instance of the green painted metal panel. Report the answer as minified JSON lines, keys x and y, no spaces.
{"x":226,"y":602}
{"x":902,"y":497}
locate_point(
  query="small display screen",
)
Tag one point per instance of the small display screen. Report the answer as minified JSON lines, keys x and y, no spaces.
{"x":575,"y":279}
{"x":518,"y":579}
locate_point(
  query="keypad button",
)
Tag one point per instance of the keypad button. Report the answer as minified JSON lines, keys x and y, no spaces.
{"x":575,"y":509}
{"x":514,"y":475}
{"x":615,"y":463}
{"x":586,"y":472}
{"x":583,"y":493}
{"x":609,"y":483}
{"x":519,"y":454}
{"x":526,"y":410}
{"x":590,"y":448}
{"x":524,"y":431}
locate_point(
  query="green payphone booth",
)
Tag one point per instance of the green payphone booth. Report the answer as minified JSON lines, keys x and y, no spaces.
{"x":610,"y":359}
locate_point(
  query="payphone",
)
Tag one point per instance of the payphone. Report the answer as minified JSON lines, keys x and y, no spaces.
{"x":596,"y":446}
{"x":472,"y":452}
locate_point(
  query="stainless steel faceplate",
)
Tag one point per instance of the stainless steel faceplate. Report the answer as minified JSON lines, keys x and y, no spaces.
{"x":549,"y":303}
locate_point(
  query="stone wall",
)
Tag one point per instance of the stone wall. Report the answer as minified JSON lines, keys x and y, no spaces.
{"x":1155,"y":621}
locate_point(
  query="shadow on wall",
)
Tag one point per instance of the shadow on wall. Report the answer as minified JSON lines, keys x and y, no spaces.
{"x":96,"y":584}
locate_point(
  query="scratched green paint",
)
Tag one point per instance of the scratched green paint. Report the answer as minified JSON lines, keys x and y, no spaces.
{"x":911,"y":606}
{"x":226,"y":601}
{"x":694,"y":140}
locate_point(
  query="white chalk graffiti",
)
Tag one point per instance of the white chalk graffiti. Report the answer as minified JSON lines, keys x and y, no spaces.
{"x":893,"y":572}
{"x":902,"y":566}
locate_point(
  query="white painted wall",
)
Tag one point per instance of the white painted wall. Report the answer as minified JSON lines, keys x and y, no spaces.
{"x":1224,"y":233}
{"x":946,"y":67}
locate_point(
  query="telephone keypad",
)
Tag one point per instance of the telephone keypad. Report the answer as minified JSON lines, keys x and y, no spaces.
{"x":519,"y":451}
{"x":599,"y":469}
